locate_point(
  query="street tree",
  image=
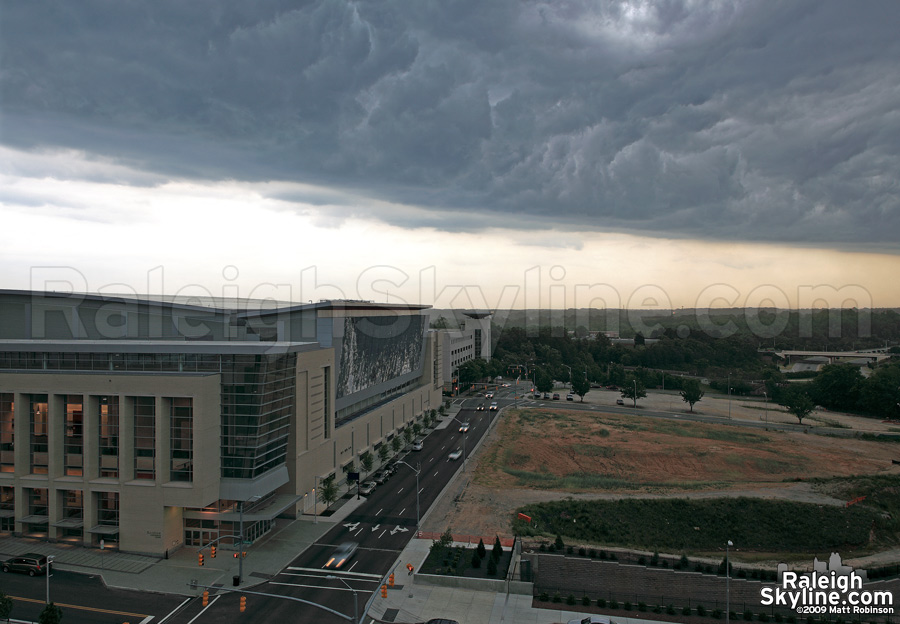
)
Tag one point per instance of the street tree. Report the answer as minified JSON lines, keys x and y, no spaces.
{"x":6,"y":605}
{"x":367,"y":461}
{"x":328,"y":491}
{"x":797,"y":402}
{"x":543,"y":382}
{"x":51,"y":614}
{"x":581,"y":386}
{"x":691,"y":392}
{"x":633,"y":389}
{"x":383,"y":453}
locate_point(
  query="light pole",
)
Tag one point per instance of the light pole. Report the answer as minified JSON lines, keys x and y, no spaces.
{"x":332,"y":577}
{"x":727,"y":583}
{"x":729,"y":395}
{"x":252,"y":499}
{"x":635,"y":392}
{"x":767,"y":410}
{"x":50,"y":559}
{"x":417,"y":471}
{"x":465,"y":434}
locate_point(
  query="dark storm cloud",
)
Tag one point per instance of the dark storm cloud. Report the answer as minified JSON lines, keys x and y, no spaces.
{"x":760,"y":121}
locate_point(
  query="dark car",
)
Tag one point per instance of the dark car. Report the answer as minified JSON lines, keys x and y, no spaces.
{"x":556,"y":396}
{"x":381,"y":476}
{"x":441,"y":621}
{"x":342,"y":555}
{"x":479,"y":407}
{"x":30,"y":563}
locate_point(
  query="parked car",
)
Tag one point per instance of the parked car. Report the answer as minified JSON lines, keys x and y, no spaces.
{"x":556,"y":396}
{"x":367,"y":487}
{"x":417,"y":445}
{"x":381,"y":476}
{"x":479,"y":407}
{"x":31,"y":564}
{"x":547,"y":395}
{"x":494,"y":406}
{"x":593,"y":619}
{"x":620,"y":402}
{"x":464,"y":428}
{"x":342,"y":555}
{"x":570,"y":397}
{"x":441,"y":621}
{"x":456,"y":454}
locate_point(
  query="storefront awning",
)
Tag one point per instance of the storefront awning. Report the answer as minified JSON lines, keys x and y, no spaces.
{"x":276,"y":505}
{"x":104,"y":529}
{"x":70,"y":523}
{"x":7,"y":513}
{"x":36,"y":519}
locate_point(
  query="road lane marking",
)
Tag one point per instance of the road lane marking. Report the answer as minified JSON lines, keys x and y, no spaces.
{"x":83,"y":608}
{"x":400,"y":490}
{"x":379,"y":511}
{"x":211,"y":603}
{"x":422,"y":490}
{"x":401,"y":511}
{"x":335,"y":572}
{"x":436,"y":474}
{"x":382,"y":534}
{"x":175,"y":610}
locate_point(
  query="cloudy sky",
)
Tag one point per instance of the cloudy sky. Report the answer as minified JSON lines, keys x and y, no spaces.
{"x":468,"y":153}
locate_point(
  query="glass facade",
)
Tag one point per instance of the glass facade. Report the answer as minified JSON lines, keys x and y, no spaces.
{"x":257,"y":406}
{"x":181,"y":436}
{"x":39,"y":431}
{"x":144,"y":438}
{"x":7,"y":432}
{"x":108,"y":443}
{"x":38,"y":506}
{"x":107,"y":516}
{"x":74,"y":443}
{"x":7,"y":508}
{"x":73,"y":509}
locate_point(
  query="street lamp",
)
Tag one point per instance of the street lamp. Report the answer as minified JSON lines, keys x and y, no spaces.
{"x":767,"y":410}
{"x":332,"y":577}
{"x":252,"y":499}
{"x":635,"y":392}
{"x":727,"y":583}
{"x":50,"y":559}
{"x":465,"y":434}
{"x":417,"y":471}
{"x":729,"y":395}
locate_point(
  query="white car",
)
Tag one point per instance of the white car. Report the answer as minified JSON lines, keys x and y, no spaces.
{"x":456,"y":454}
{"x":489,"y":395}
{"x":464,"y":428}
{"x":594,"y":619}
{"x":367,"y":487}
{"x":342,"y":555}
{"x":494,"y":406}
{"x":417,"y":445}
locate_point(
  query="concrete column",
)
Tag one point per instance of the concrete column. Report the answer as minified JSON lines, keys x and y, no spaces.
{"x":56,"y":404}
{"x":22,"y":423}
{"x":163,"y":439}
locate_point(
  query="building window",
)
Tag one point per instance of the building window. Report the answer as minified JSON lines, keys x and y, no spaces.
{"x":327,"y":403}
{"x":7,"y":437}
{"x":107,"y":516}
{"x":73,"y":509}
{"x":39,"y":428}
{"x":144,"y":438}
{"x":181,"y":440}
{"x":74,"y":443}
{"x":108,"y":442}
{"x":7,"y":509}
{"x":38,"y":506}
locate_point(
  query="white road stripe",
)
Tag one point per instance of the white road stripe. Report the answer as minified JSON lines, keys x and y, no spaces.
{"x":336,"y":572}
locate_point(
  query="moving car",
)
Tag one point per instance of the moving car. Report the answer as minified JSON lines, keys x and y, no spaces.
{"x":570,"y":397}
{"x":464,"y":428}
{"x":342,"y":555}
{"x":479,"y":407}
{"x":29,"y":563}
{"x":456,"y":454}
{"x":494,"y":406}
{"x":417,"y":445}
{"x":489,"y":395}
{"x":367,"y":487}
{"x":620,"y":402}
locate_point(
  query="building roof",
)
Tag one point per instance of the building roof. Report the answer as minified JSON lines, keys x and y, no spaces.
{"x":158,"y":346}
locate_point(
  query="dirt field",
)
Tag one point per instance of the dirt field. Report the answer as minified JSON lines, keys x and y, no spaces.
{"x":538,"y":454}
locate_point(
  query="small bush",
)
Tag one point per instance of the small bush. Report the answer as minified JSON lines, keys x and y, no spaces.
{"x":476,"y":560}
{"x":717,"y":614}
{"x":642,"y":606}
{"x":701,"y":610}
{"x":559,"y":542}
{"x":778,"y":618}
{"x":748,"y":615}
{"x":585,"y":601}
{"x":763,"y":617}
{"x":742,"y":574}
{"x":592,"y":553}
{"x":654,"y":560}
{"x":665,"y":563}
{"x":626,"y":605}
{"x":543,"y":547}
{"x":642,"y":560}
{"x":570,"y":600}
{"x":698,"y":568}
{"x":492,"y":567}
{"x":601,"y":602}
{"x":613,"y":604}
{"x":603,"y":554}
{"x":657,"y":609}
{"x":544,"y":597}
{"x":551,"y":548}
{"x":670,"y":609}
{"x":685,"y":563}
{"x":685,"y":611}
{"x":557,"y":597}
{"x":582,"y":552}
{"x":569,"y":550}
{"x":612,"y":557}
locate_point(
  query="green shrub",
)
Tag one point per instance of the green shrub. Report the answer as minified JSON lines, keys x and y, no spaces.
{"x":685,"y":562}
{"x":601,"y":602}
{"x":569,"y":550}
{"x":570,"y":599}
{"x":557,"y":597}
{"x":670,"y":609}
{"x":642,"y":560}
{"x":654,"y":560}
{"x":778,"y":618}
{"x":492,"y":566}
{"x":602,"y":554}
{"x":685,"y":611}
{"x":642,"y":606}
{"x":626,"y":605}
{"x":701,"y":610}
{"x":544,"y":597}
{"x":717,"y":614}
{"x":585,"y":601}
{"x":592,"y":553}
{"x":748,"y":615}
{"x":476,"y":560}
{"x":582,"y":552}
{"x":657,"y":609}
{"x":763,"y":617}
{"x":613,"y":604}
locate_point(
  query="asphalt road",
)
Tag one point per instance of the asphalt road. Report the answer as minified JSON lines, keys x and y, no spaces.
{"x":382,"y":526}
{"x":83,"y":598}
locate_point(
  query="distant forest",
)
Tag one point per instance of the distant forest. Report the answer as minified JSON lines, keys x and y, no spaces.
{"x":683,"y":344}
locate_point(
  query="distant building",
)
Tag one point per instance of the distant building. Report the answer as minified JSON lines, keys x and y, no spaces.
{"x":461,"y":345}
{"x":148,"y":423}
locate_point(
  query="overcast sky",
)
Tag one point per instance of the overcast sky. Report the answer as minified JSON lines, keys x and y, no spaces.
{"x":697,"y":148}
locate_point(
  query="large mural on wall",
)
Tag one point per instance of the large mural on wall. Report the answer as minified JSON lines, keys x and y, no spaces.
{"x":377,"y":349}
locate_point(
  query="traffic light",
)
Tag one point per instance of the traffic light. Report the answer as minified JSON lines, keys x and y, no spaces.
{"x":391,"y":579}
{"x":244,"y":554}
{"x":235,"y":555}
{"x":384,"y":591}
{"x":200,"y":559}
{"x":409,"y":567}
{"x":205,"y":598}
{"x":212,"y":552}
{"x":243,"y":603}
